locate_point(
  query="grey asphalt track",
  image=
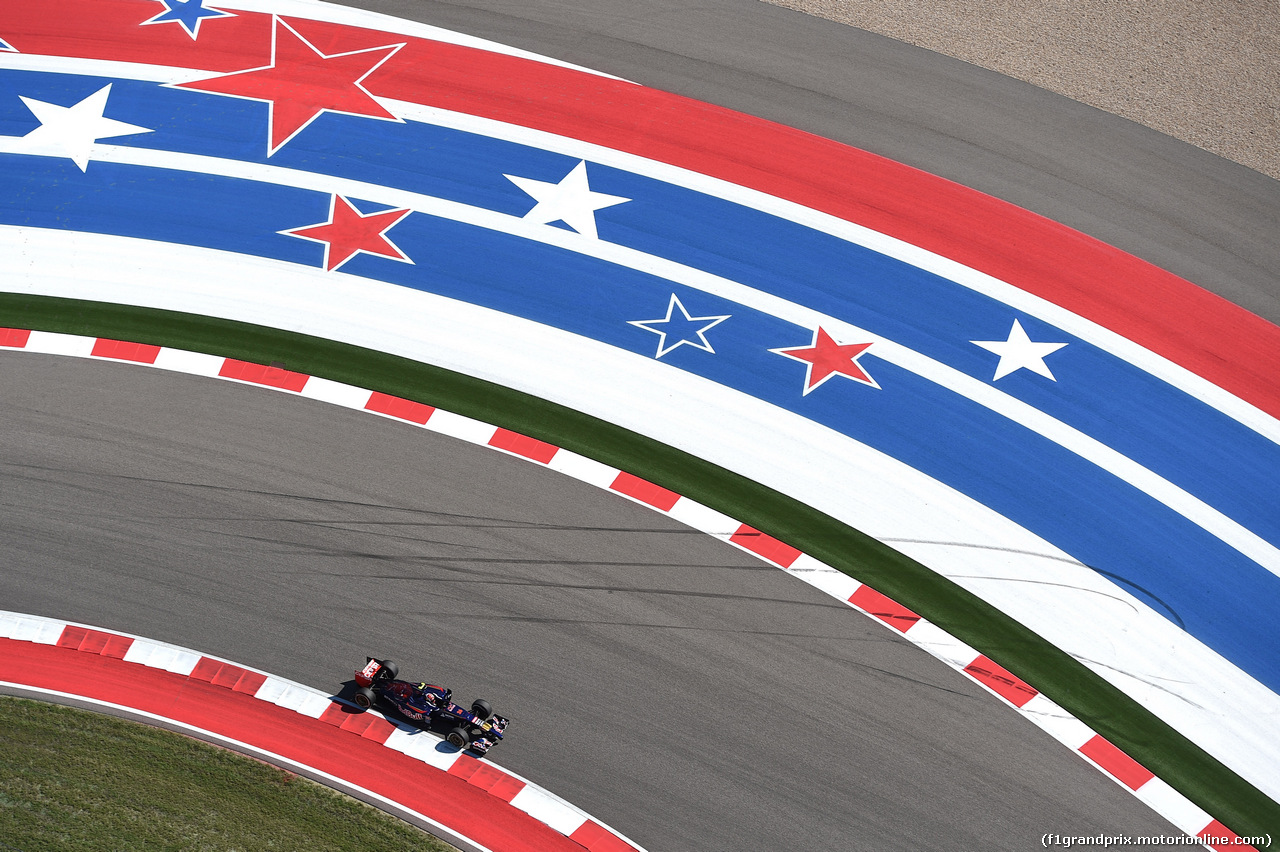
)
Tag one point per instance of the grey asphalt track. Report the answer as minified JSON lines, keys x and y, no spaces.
{"x":688,"y":695}
{"x":296,"y":537}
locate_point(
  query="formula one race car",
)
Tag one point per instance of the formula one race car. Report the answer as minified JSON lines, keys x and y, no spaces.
{"x":429,"y":707}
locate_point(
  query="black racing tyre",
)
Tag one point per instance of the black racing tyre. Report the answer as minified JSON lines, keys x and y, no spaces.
{"x":363,"y":698}
{"x":481,"y":708}
{"x":391,"y":669}
{"x":458,"y":738}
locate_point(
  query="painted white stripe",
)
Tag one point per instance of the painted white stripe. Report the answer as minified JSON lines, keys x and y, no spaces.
{"x":424,"y":747}
{"x":50,"y":343}
{"x":1203,"y":696}
{"x":23,"y":629}
{"x":462,"y":428}
{"x":1058,"y":723}
{"x":293,"y":696}
{"x":839,"y":585}
{"x":1208,"y":518}
{"x":1020,"y":300}
{"x":195,"y":363}
{"x":942,"y":645}
{"x":335,"y":393}
{"x":583,"y":469}
{"x":1174,"y":806}
{"x":549,"y":809}
{"x":289,"y":8}
{"x":157,"y":655}
{"x":320,"y":11}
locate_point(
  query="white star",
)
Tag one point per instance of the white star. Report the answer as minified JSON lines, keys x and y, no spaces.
{"x":707,"y":323}
{"x":1019,"y":352}
{"x":72,"y":131}
{"x":570,"y":201}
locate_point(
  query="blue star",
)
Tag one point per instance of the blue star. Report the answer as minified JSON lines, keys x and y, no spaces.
{"x":189,"y":13}
{"x":682,"y":329}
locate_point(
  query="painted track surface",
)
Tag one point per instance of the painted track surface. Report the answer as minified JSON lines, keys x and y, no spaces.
{"x":194,"y":508}
{"x":1192,"y":213}
{"x":891,"y":152}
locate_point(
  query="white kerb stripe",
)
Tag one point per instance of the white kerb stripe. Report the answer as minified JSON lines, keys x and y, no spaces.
{"x":551,"y":810}
{"x":38,"y":630}
{"x":160,"y":656}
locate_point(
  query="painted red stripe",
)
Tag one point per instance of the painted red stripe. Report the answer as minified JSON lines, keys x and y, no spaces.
{"x":447,"y":799}
{"x":1224,"y":838}
{"x":250,"y":682}
{"x":262,"y":375}
{"x":1156,"y":309}
{"x":1005,"y":684}
{"x":404,"y":409}
{"x":1126,"y":770}
{"x":95,"y":642}
{"x":645,"y":491}
{"x":487,"y":777}
{"x":523,"y":445}
{"x":765,"y":545}
{"x":371,"y":726}
{"x":884,"y":608}
{"x":206,"y":669}
{"x":597,"y":839}
{"x":72,"y":636}
{"x":121,"y":350}
{"x":227,"y":677}
{"x":14,"y":337}
{"x":110,"y":29}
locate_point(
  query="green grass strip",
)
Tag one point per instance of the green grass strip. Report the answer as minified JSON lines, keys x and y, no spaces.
{"x":1103,"y":707}
{"x":73,"y":780}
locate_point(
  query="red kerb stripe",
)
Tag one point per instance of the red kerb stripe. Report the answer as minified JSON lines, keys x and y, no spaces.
{"x":1005,"y":684}
{"x":523,"y":445}
{"x":1126,"y":770}
{"x":645,"y":491}
{"x":260,"y":375}
{"x":884,"y":608}
{"x":14,"y":337}
{"x":486,"y":777}
{"x":404,"y":409}
{"x":765,"y":545}
{"x":95,"y":642}
{"x":142,"y":353}
{"x":598,"y":839}
{"x":1217,"y":830}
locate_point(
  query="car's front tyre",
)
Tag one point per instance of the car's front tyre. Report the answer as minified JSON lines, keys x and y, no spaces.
{"x":458,"y":738}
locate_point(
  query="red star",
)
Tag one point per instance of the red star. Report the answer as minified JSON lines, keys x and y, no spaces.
{"x":826,"y":358}
{"x":301,"y":82}
{"x":348,"y":232}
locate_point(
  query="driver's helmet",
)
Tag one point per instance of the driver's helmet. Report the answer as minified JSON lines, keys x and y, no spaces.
{"x":423,"y":699}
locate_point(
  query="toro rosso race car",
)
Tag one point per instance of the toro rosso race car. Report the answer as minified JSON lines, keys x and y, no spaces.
{"x":429,"y":707}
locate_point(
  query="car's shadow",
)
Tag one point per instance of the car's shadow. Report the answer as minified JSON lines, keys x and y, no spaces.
{"x":439,"y":727}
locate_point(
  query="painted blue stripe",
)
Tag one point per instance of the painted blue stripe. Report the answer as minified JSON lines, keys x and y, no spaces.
{"x":1192,"y":445}
{"x":1101,"y":521}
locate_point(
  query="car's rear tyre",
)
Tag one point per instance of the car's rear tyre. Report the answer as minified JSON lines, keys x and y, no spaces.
{"x":391,"y":669}
{"x":481,"y":709}
{"x":458,"y":738}
{"x":363,"y":698}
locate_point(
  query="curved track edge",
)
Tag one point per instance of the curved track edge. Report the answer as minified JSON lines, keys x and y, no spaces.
{"x":1102,"y":752}
{"x":474,"y":804}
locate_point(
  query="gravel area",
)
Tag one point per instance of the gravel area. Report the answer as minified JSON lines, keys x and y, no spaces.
{"x":1204,"y":71}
